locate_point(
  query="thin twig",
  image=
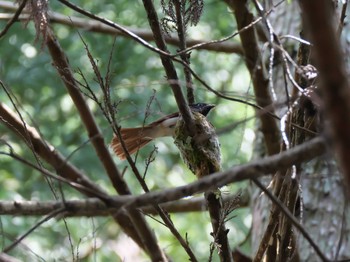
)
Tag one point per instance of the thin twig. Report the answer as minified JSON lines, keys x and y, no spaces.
{"x":292,"y":218}
{"x":255,"y":66}
{"x":47,"y":173}
{"x":217,"y":220}
{"x":169,"y":67}
{"x":13,"y":19}
{"x":260,"y":110}
{"x":271,"y":227}
{"x":181,"y":32}
{"x":96,"y":26}
{"x":342,"y":17}
{"x":42,"y":221}
{"x":64,"y":168}
{"x":43,"y":149}
{"x":61,"y":63}
{"x":299,"y":154}
{"x":114,"y":25}
{"x":109,"y":112}
{"x":222,"y":40}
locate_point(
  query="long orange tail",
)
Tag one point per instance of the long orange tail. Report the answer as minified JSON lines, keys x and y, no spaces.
{"x":134,"y":139}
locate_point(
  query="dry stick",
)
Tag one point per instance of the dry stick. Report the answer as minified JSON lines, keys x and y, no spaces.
{"x":185,"y":57}
{"x":105,"y":28}
{"x":334,"y":79}
{"x":284,"y":230}
{"x":13,"y":19}
{"x":88,"y":191}
{"x":161,"y":50}
{"x":169,"y":66}
{"x":254,"y":169}
{"x":46,"y":151}
{"x":61,"y":63}
{"x":273,"y":220}
{"x":217,"y":218}
{"x":213,"y":200}
{"x":187,"y":117}
{"x":342,"y":17}
{"x":18,"y":240}
{"x":256,"y":69}
{"x":109,"y":113}
{"x":108,"y":110}
{"x":166,"y":219}
{"x":94,"y":207}
{"x":291,"y":217}
{"x":64,"y":168}
{"x":261,"y":110}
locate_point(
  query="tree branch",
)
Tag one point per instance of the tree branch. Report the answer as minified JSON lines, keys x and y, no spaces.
{"x":6,"y":258}
{"x":14,"y":18}
{"x":94,"y":207}
{"x":63,"y":167}
{"x":169,"y":67}
{"x":268,"y":165}
{"x":180,"y":7}
{"x":334,"y":78}
{"x":282,"y":208}
{"x":256,"y":69}
{"x":60,"y":61}
{"x":46,"y":151}
{"x":99,"y":27}
{"x":299,"y":154}
{"x":38,"y":224}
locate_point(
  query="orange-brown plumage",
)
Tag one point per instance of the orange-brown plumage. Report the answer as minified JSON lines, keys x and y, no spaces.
{"x":136,"y":138}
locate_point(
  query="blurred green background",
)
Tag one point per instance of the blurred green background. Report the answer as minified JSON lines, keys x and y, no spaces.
{"x":137,"y":75}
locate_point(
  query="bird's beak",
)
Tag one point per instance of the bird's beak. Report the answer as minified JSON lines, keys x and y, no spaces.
{"x":207,"y":109}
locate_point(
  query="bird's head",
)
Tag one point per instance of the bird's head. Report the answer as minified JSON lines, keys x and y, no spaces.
{"x":202,"y":108}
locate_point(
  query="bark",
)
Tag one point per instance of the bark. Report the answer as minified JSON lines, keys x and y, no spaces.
{"x":322,"y":206}
{"x":60,"y":61}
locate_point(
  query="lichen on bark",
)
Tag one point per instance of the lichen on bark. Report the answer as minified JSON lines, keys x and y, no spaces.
{"x":201,"y":153}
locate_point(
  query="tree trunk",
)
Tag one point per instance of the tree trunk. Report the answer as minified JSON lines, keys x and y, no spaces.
{"x":320,"y":204}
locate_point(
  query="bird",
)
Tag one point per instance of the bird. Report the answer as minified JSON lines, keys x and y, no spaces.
{"x":136,"y":138}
